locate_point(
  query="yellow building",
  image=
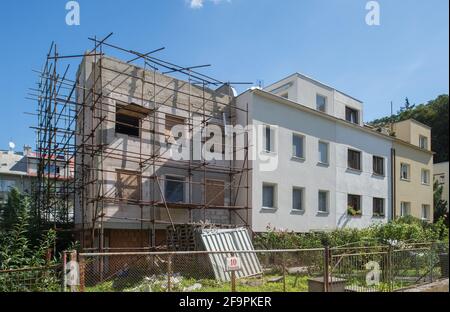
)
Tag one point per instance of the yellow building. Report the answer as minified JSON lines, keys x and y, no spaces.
{"x":413,"y":170}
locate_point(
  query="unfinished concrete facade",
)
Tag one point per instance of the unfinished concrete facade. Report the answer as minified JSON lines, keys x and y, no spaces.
{"x":128,"y":124}
{"x":132,"y":187}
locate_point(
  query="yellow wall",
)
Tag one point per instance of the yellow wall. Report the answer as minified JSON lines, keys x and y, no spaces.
{"x":413,"y":190}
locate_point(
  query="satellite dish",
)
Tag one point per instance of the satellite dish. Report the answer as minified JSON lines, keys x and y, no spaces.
{"x":12,"y":145}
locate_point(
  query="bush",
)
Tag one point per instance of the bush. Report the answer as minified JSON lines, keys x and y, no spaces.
{"x":403,"y":229}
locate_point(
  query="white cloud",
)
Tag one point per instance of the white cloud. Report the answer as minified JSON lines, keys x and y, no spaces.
{"x":198,"y":4}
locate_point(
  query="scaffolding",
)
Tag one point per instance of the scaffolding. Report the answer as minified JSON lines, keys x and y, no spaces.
{"x":78,"y":150}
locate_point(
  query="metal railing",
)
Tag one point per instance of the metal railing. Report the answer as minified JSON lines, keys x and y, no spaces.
{"x":374,"y":268}
{"x":37,"y":279}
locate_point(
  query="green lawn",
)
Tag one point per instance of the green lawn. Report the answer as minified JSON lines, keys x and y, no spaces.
{"x":256,"y":284}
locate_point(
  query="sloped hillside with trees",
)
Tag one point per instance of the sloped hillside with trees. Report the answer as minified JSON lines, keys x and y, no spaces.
{"x":433,"y":114}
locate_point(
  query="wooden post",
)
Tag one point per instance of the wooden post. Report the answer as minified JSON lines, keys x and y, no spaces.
{"x":233,"y":281}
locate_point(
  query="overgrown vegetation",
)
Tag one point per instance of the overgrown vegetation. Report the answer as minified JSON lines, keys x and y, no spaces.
{"x":433,"y":114}
{"x":18,"y":251}
{"x":403,"y":229}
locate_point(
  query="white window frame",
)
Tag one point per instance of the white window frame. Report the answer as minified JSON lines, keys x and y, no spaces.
{"x":327,"y":193}
{"x":325,"y":105}
{"x":422,"y":139}
{"x":272,"y":139}
{"x":408,"y":166}
{"x":404,"y":205}
{"x":383,"y":213}
{"x":427,"y":174}
{"x":426,"y":208}
{"x":274,"y":195}
{"x":328,"y":152}
{"x":303,"y":138}
{"x":302,"y":189}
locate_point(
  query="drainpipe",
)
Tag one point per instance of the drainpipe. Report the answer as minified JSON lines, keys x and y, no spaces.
{"x":393,"y":186}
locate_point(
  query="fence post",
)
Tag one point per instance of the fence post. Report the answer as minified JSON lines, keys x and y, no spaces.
{"x":284,"y":271}
{"x":326,"y":264}
{"x":169,"y":273}
{"x":81,"y":265}
{"x":390,"y":279}
{"x":431,"y":262}
{"x":64,"y":286}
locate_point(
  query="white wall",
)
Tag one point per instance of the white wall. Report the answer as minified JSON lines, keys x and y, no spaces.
{"x":309,"y":174}
{"x":304,"y":90}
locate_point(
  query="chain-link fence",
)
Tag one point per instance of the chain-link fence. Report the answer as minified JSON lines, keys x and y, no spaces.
{"x":268,"y":270}
{"x":387,"y":268}
{"x":41,"y":279}
{"x":339,"y":269}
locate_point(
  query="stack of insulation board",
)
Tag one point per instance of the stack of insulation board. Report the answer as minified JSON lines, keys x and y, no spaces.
{"x":230,"y":240}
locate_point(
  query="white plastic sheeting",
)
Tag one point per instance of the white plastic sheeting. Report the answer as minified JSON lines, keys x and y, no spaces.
{"x":230,"y":240}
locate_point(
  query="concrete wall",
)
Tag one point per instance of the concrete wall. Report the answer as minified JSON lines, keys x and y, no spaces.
{"x":121,"y":84}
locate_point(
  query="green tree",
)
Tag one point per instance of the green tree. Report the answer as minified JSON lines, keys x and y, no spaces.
{"x":440,"y":205}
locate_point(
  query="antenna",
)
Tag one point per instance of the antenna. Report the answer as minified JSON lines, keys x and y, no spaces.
{"x":12,"y":146}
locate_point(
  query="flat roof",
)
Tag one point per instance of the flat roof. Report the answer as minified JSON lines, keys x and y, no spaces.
{"x":302,"y":107}
{"x":314,"y":81}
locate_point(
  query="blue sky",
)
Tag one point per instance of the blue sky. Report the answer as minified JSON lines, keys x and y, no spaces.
{"x":244,"y":40}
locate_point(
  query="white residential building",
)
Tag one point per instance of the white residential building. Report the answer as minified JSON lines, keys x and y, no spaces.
{"x":330,"y":170}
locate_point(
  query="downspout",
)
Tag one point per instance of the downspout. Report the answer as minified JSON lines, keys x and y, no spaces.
{"x":393,"y":186}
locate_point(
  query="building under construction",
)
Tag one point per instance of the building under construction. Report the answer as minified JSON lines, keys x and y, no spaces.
{"x":112,"y":124}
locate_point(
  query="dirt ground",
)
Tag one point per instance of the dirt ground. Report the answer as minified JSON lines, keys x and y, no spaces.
{"x":439,"y":286}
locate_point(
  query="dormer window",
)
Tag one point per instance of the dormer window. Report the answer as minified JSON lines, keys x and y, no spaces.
{"x":351,"y":115}
{"x":321,"y":103}
{"x":423,"y":142}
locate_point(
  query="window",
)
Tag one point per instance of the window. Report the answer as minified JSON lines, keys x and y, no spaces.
{"x":425,"y":176}
{"x":268,"y":195}
{"x":268,"y":139}
{"x":174,"y":189}
{"x":351,"y":115}
{"x":297,"y":199}
{"x":378,"y":165}
{"x":128,"y":185}
{"x":323,"y":201}
{"x":423,"y":142}
{"x":378,"y":207}
{"x":321,"y":103}
{"x":51,"y":169}
{"x":405,"y":209}
{"x":404,"y":171}
{"x":354,"y":159}
{"x":354,"y":205}
{"x":323,"y":152}
{"x":126,"y":123}
{"x":426,"y":212}
{"x":298,"y":145}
